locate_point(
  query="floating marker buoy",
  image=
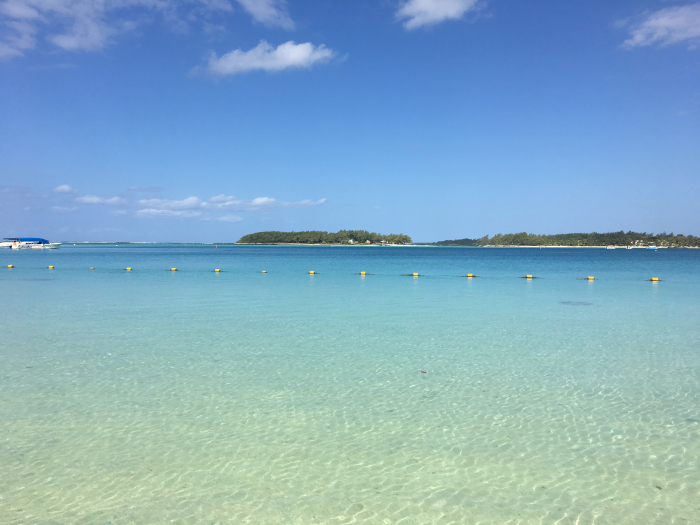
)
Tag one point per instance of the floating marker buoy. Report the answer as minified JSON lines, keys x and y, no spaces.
{"x":591,"y":278}
{"x":10,"y":265}
{"x":415,"y":274}
{"x":173,"y":269}
{"x":528,"y":277}
{"x":265,"y":271}
{"x":92,"y":267}
{"x":50,"y":267}
{"x":654,"y":278}
{"x":363,"y":273}
{"x":217,"y":270}
{"x":128,"y":269}
{"x":470,"y":275}
{"x":311,"y":272}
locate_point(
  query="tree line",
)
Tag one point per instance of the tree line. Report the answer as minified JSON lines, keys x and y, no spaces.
{"x":320,"y":237}
{"x":579,"y":239}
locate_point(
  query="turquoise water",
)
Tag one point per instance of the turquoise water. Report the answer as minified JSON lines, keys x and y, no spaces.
{"x":193,"y":397}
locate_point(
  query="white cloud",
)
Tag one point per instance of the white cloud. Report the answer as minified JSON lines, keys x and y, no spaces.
{"x":61,"y":209}
{"x":417,"y":13}
{"x":272,"y":13}
{"x":64,"y":188}
{"x":221,"y":202}
{"x":89,"y":25}
{"x":93,"y":199}
{"x":210,"y":209}
{"x":165,"y":204}
{"x":264,"y":57}
{"x":148,"y":189}
{"x":667,"y":26}
{"x":267,"y":202}
{"x":149,"y":213}
{"x":230,"y":218}
{"x":225,"y":202}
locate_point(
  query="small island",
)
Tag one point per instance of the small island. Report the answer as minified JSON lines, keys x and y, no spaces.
{"x":347,"y":237}
{"x":621,"y":239}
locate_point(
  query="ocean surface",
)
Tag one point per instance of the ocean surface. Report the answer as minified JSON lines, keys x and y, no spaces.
{"x":195,"y":397}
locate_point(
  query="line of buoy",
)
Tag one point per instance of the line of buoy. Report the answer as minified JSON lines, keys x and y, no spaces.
{"x":415,"y":274}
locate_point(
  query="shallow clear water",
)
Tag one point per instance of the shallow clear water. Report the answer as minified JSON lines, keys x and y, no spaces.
{"x":153,"y":396}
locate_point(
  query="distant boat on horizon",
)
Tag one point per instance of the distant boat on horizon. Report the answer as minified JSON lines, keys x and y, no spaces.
{"x":609,"y":247}
{"x":652,"y":248}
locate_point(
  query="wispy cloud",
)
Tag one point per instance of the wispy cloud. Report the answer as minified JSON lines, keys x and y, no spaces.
{"x":150,"y":213}
{"x":226,"y":202}
{"x":265,"y":57}
{"x":62,"y":209}
{"x":417,"y":13}
{"x":272,"y":13}
{"x":190,"y":203}
{"x":93,"y":199}
{"x":64,"y":188}
{"x":671,"y":25}
{"x":89,"y":25}
{"x":230,"y":218}
{"x":147,"y":189}
{"x":267,"y":202}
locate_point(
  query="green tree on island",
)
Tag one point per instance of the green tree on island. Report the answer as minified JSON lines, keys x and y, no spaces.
{"x":321,"y":237}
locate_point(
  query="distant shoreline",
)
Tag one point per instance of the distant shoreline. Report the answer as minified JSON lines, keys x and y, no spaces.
{"x":413,"y":245}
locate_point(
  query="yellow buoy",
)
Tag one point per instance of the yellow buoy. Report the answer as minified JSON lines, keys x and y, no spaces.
{"x":265,"y":271}
{"x":10,"y":265}
{"x":470,"y":275}
{"x":92,"y":267}
{"x":50,"y":267}
{"x":217,"y":270}
{"x":128,"y":269}
{"x":363,"y":273}
{"x":528,"y":277}
{"x":312,"y":272}
{"x":591,"y":278}
{"x":415,"y":274}
{"x":173,"y":269}
{"x":654,"y":278}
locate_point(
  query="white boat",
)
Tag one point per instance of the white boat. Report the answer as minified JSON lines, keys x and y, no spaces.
{"x":7,"y":242}
{"x":609,"y":247}
{"x":33,"y":243}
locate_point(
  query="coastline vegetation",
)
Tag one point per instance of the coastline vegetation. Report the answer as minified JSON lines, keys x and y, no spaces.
{"x":620,"y":238}
{"x":320,"y":237}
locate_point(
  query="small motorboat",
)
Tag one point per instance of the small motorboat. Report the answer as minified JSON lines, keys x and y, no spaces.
{"x":7,"y":242}
{"x":34,"y":243}
{"x":609,"y":247}
{"x":652,"y":248}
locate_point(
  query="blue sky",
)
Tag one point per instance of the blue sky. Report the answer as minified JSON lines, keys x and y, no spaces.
{"x":204,"y":120}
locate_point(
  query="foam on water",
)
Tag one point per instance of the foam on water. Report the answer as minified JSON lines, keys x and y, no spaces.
{"x":153,"y":396}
